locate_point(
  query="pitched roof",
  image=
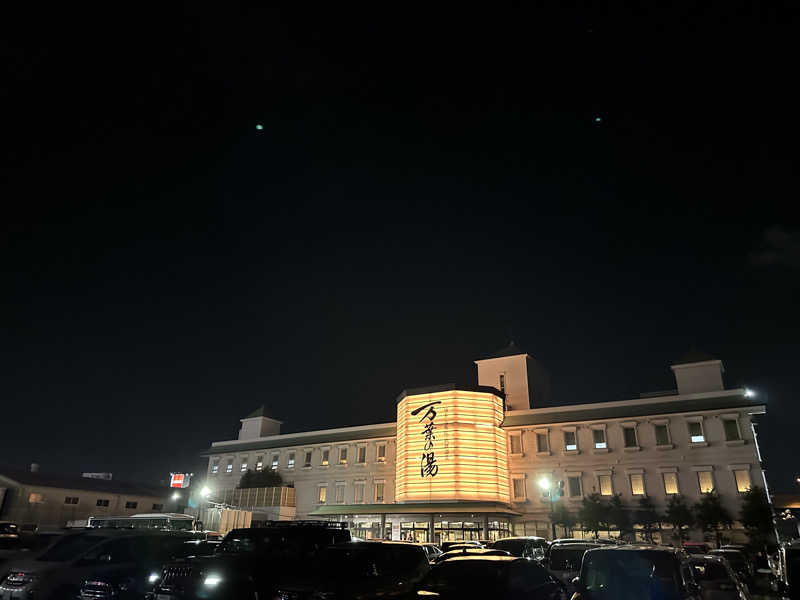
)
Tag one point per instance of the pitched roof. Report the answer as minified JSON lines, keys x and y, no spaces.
{"x":511,"y":350}
{"x":71,"y":482}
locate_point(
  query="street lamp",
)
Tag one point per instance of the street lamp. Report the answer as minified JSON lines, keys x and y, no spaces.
{"x":545,"y":485}
{"x":205,"y":492}
{"x":176,"y":496}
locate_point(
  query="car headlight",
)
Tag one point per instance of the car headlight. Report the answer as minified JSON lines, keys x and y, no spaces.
{"x":212,"y":580}
{"x":18,"y":578}
{"x":152,"y":578}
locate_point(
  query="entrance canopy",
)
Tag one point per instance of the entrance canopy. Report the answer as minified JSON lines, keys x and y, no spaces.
{"x":428,"y":508}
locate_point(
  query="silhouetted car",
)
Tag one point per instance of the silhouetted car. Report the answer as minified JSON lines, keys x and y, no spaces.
{"x":490,"y":578}
{"x":636,"y":573}
{"x":432,"y":551}
{"x":738,"y":561}
{"x":717,"y":579}
{"x":361,"y":570}
{"x":523,"y":546}
{"x":696,"y":548}
{"x":564,"y":561}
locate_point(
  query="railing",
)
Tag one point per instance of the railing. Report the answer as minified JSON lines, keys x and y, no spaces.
{"x":256,"y":497}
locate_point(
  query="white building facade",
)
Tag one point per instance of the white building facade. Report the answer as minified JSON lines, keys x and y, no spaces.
{"x":474,"y":463}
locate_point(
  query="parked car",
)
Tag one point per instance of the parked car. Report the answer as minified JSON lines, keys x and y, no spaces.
{"x":564,"y":561}
{"x":15,"y":548}
{"x":61,"y":569}
{"x":717,"y":579}
{"x":432,"y":551}
{"x":523,"y":546}
{"x":8,"y":530}
{"x":491,"y":578}
{"x":636,"y":573}
{"x":360,"y":570}
{"x":738,"y":560}
{"x":446,"y":546}
{"x":700,"y":548}
{"x":472,"y":552}
{"x":251,"y":563}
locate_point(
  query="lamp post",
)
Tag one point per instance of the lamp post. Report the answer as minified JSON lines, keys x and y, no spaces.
{"x":546,"y":487}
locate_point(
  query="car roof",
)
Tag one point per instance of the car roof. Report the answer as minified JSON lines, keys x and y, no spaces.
{"x":370,"y":544}
{"x":556,"y":545}
{"x":707,"y":558}
{"x":726,"y":551}
{"x":520,"y":537}
{"x":632,"y":548}
{"x":484,"y":558}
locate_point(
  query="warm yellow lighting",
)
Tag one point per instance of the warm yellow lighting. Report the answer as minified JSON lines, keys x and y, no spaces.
{"x":452,"y":449}
{"x":544,"y":483}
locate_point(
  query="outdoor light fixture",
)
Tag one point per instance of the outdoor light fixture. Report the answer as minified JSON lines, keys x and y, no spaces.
{"x":544,"y":483}
{"x":205,"y":492}
{"x":748,"y":393}
{"x":176,"y":496}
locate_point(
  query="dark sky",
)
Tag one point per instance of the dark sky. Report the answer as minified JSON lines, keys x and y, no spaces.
{"x":427,"y":184}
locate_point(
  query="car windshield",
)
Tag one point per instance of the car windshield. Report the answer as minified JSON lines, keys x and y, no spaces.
{"x":515,"y":547}
{"x":180,"y":524}
{"x":465,"y":578}
{"x":611,"y":574}
{"x":566,"y":559}
{"x":71,"y":547}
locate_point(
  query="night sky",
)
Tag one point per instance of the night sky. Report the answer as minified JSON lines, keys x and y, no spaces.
{"x":608,"y":187}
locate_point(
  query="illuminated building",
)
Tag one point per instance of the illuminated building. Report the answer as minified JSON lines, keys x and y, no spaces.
{"x":485,"y":461}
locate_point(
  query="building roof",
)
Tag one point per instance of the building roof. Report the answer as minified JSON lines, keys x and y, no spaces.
{"x":261,"y":411}
{"x":694,"y":356}
{"x":600,"y":411}
{"x":511,"y":350}
{"x":449,"y":387}
{"x":70,"y":482}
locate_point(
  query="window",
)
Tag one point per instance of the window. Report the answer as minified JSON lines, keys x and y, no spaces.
{"x":742,"y":479}
{"x":215,"y":467}
{"x":322,"y":494}
{"x":570,"y":440}
{"x":102,"y":502}
{"x":599,"y":436}
{"x":380,"y":486}
{"x":629,"y":433}
{"x":158,"y":507}
{"x":541,"y":442}
{"x":290,"y":463}
{"x":637,"y":484}
{"x":243,"y":468}
{"x":131,"y":504}
{"x":275,"y":460}
{"x":358,"y":488}
{"x":307,"y":460}
{"x":670,"y":483}
{"x":381,"y":452}
{"x":340,"y":493}
{"x":696,"y":432}
{"x":518,"y":488}
{"x":71,"y":500}
{"x":604,"y":482}
{"x":325,"y":456}
{"x":574,"y":486}
{"x":502,"y":382}
{"x":731,"y":430}
{"x":705,"y":479}
{"x":342,"y":456}
{"x":662,"y":435}
{"x":229,"y":466}
{"x":516,"y":443}
{"x":259,"y":463}
{"x":361,"y":455}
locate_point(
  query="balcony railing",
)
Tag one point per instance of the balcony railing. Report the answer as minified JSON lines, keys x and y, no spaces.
{"x":256,"y":497}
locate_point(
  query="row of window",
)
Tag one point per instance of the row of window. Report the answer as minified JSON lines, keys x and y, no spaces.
{"x":38,"y":498}
{"x":324,"y":459}
{"x":377,"y":496}
{"x":573,"y":484}
{"x":630,"y":437}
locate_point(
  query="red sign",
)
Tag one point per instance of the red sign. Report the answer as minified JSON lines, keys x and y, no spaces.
{"x":177,"y":480}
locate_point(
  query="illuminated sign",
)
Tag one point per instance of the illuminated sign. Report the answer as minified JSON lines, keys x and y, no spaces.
{"x":179,"y":480}
{"x":450,"y":447}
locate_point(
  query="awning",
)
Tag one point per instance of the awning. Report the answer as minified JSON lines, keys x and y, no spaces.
{"x":415,"y":508}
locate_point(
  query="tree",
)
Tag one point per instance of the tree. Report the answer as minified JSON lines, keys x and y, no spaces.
{"x":679,"y":515}
{"x":711,"y":516}
{"x":562,"y":516}
{"x":593,"y":513}
{"x":648,"y":518}
{"x":618,"y":515}
{"x":259,"y":479}
{"x":757,"y":518}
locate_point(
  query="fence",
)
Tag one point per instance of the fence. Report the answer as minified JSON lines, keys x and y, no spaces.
{"x":256,"y":497}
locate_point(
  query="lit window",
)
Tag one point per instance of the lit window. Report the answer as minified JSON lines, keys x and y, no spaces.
{"x":244,"y":466}
{"x":574,"y":486}
{"x":502,"y":382}
{"x":604,"y":482}
{"x":131,"y":504}
{"x":381,"y":452}
{"x":71,"y":500}
{"x":706,"y":481}
{"x":662,"y":435}
{"x":670,"y":483}
{"x":570,"y":440}
{"x":102,"y":502}
{"x":322,"y":494}
{"x":379,"y":489}
{"x":307,"y":461}
{"x":229,"y":466}
{"x":599,"y":436}
{"x":358,"y":488}
{"x":541,"y":442}
{"x":325,"y":455}
{"x":361,"y":455}
{"x":731,"y":430}
{"x":742,"y":480}
{"x":342,"y":456}
{"x":215,"y":467}
{"x":637,"y":484}
{"x":340,"y":493}
{"x":275,"y":460}
{"x":519,"y":488}
{"x":259,"y":463}
{"x":516,"y":443}
{"x":696,"y":432}
{"x":290,"y":463}
{"x":629,"y":434}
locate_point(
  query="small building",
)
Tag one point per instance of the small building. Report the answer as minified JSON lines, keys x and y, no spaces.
{"x":33,"y":499}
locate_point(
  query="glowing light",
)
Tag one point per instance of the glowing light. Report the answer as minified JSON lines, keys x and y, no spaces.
{"x":748,"y":393}
{"x":259,"y":127}
{"x":544,"y":483}
{"x":205,"y":492}
{"x":176,"y":496}
{"x":212,"y":580}
{"x":598,"y":119}
{"x":152,"y":578}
